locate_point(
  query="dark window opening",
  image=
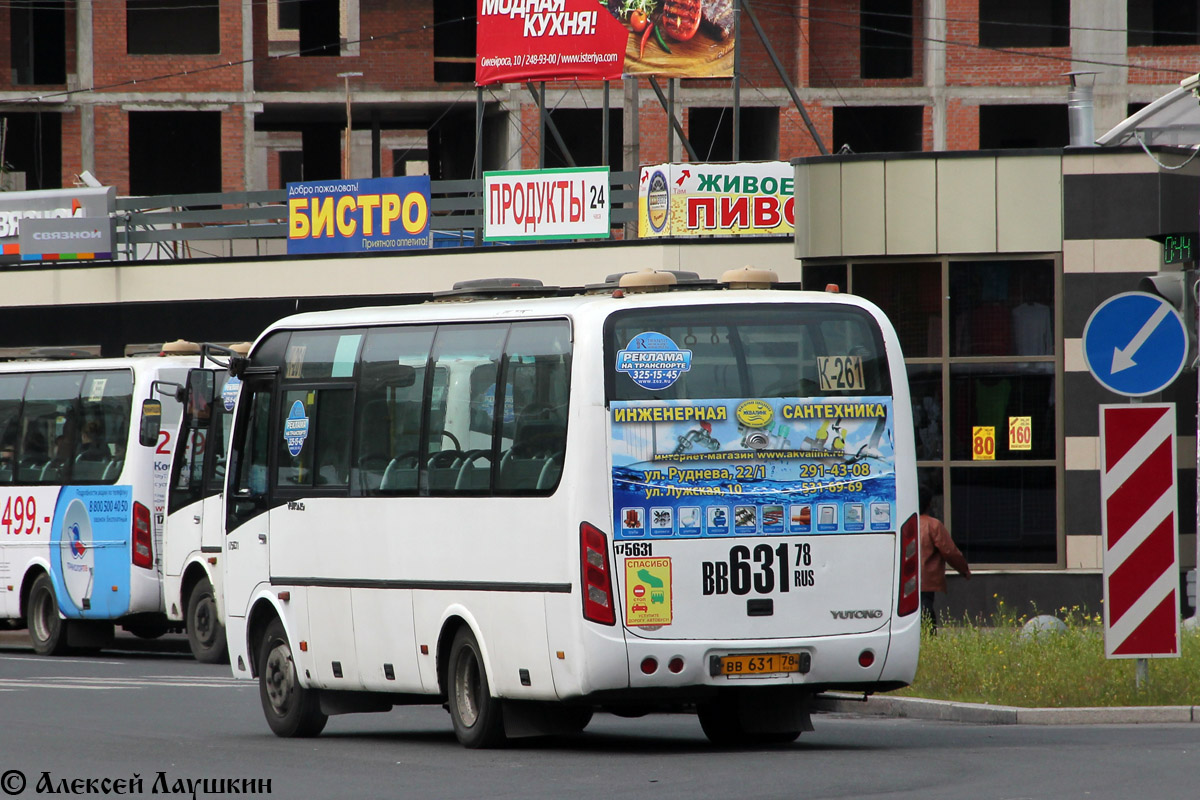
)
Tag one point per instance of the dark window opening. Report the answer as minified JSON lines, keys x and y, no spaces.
{"x":174,"y":152}
{"x":160,"y":27}
{"x":885,"y":39}
{"x":581,"y":132}
{"x":1163,"y":22}
{"x":33,"y":145}
{"x":710,"y":131}
{"x":291,"y":167}
{"x":454,"y":40}
{"x":882,"y":129}
{"x":321,"y":158}
{"x":1023,"y":127}
{"x":410,"y":161}
{"x":289,"y":15}
{"x":1025,"y":23}
{"x":320,"y":24}
{"x":39,"y":42}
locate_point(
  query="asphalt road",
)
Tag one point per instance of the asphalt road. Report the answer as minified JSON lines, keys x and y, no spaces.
{"x":147,"y":708}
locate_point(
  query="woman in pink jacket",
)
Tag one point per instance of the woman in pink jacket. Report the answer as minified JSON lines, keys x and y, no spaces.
{"x":937,"y":549}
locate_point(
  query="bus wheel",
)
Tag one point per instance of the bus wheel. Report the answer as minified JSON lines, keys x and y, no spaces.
{"x":206,"y":634}
{"x":477,"y":716}
{"x":291,"y":710}
{"x":47,"y":630}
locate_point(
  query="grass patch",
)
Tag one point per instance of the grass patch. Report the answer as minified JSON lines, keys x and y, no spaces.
{"x":991,"y":662}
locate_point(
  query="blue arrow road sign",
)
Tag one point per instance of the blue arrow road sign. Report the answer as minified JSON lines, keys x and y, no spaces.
{"x":1135,"y":344}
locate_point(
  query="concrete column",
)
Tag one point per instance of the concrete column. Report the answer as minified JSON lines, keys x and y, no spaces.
{"x":249,"y":148}
{"x":935,"y":67}
{"x":1098,"y":34}
{"x":85,"y":75}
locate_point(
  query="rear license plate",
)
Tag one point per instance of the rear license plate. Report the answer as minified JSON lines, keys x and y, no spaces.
{"x":755,"y":664}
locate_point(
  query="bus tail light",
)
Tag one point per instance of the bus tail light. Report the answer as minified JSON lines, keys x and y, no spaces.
{"x":143,"y":539}
{"x":910,"y":566}
{"x":596,"y":576}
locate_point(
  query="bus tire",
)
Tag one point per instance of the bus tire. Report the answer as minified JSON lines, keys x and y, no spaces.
{"x":206,"y":634}
{"x":291,"y":710}
{"x":47,"y":630}
{"x":477,"y":716}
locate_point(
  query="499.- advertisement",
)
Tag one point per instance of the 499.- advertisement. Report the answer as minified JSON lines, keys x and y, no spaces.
{"x":752,"y":467}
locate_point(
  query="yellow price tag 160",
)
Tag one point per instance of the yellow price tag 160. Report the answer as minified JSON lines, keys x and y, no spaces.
{"x":983,"y":443}
{"x":1020,"y":433}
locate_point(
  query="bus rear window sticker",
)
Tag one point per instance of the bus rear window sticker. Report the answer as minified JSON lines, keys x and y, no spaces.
{"x":295,"y":429}
{"x":653,"y":360}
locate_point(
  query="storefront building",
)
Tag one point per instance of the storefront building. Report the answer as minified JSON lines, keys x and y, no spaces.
{"x":989,"y":265}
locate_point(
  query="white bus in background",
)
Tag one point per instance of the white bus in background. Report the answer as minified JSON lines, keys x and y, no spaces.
{"x":533,"y":508}
{"x":88,"y":472}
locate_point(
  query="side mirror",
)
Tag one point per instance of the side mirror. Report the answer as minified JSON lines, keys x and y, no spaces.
{"x":151,"y":423}
{"x":238,"y":365}
{"x":176,"y":391}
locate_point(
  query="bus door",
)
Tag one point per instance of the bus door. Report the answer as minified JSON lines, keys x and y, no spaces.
{"x":185,"y":507}
{"x":248,"y":501}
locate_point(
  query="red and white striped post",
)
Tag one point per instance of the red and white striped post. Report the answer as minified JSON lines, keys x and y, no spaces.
{"x":1138,"y":507}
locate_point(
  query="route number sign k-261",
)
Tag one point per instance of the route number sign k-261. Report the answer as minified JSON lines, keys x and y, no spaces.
{"x":1135,"y":344}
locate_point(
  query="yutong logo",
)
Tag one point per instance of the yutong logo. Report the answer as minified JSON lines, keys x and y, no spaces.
{"x":866,"y":613}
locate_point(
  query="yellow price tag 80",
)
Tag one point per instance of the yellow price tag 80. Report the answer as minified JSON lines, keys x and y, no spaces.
{"x":983,"y":443}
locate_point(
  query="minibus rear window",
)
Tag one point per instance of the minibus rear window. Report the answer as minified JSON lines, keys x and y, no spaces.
{"x":759,"y":350}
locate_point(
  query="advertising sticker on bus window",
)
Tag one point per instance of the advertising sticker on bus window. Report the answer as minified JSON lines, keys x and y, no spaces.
{"x":295,"y":429}
{"x":653,"y":360}
{"x":229,"y":394}
{"x":752,"y":467}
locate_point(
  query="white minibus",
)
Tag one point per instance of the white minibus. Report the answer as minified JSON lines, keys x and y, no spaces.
{"x":100,"y":521}
{"x":530,"y":504}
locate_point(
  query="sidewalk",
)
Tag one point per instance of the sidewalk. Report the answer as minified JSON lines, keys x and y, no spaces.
{"x":948,"y":711}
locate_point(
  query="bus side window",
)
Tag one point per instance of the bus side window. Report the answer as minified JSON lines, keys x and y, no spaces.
{"x":250,"y":459}
{"x":537,"y":379}
{"x":12,"y":388}
{"x":391,"y":388}
{"x":458,"y":456}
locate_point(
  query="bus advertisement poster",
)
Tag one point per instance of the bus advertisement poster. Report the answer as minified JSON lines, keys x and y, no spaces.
{"x":750,"y":467}
{"x":90,"y":550}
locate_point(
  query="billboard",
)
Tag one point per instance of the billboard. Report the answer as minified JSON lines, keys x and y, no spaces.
{"x":559,"y":40}
{"x":67,"y":238}
{"x":358,"y":215}
{"x":754,"y":198}
{"x":92,"y":204}
{"x":546,"y":204}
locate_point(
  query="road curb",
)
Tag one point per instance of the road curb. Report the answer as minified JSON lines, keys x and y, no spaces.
{"x":984,"y":714}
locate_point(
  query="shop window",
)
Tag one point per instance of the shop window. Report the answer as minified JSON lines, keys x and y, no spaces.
{"x":1025,"y":23}
{"x":886,"y":39}
{"x":818,"y":277}
{"x":454,"y":40}
{"x":1016,"y":398}
{"x":1023,"y":127}
{"x":710,"y":130}
{"x":878,"y":129}
{"x":38,"y":46}
{"x":925,"y":389}
{"x":1001,"y":308}
{"x":911,"y":296}
{"x":1004,"y":515}
{"x":160,"y":27}
{"x":1157,"y":23}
